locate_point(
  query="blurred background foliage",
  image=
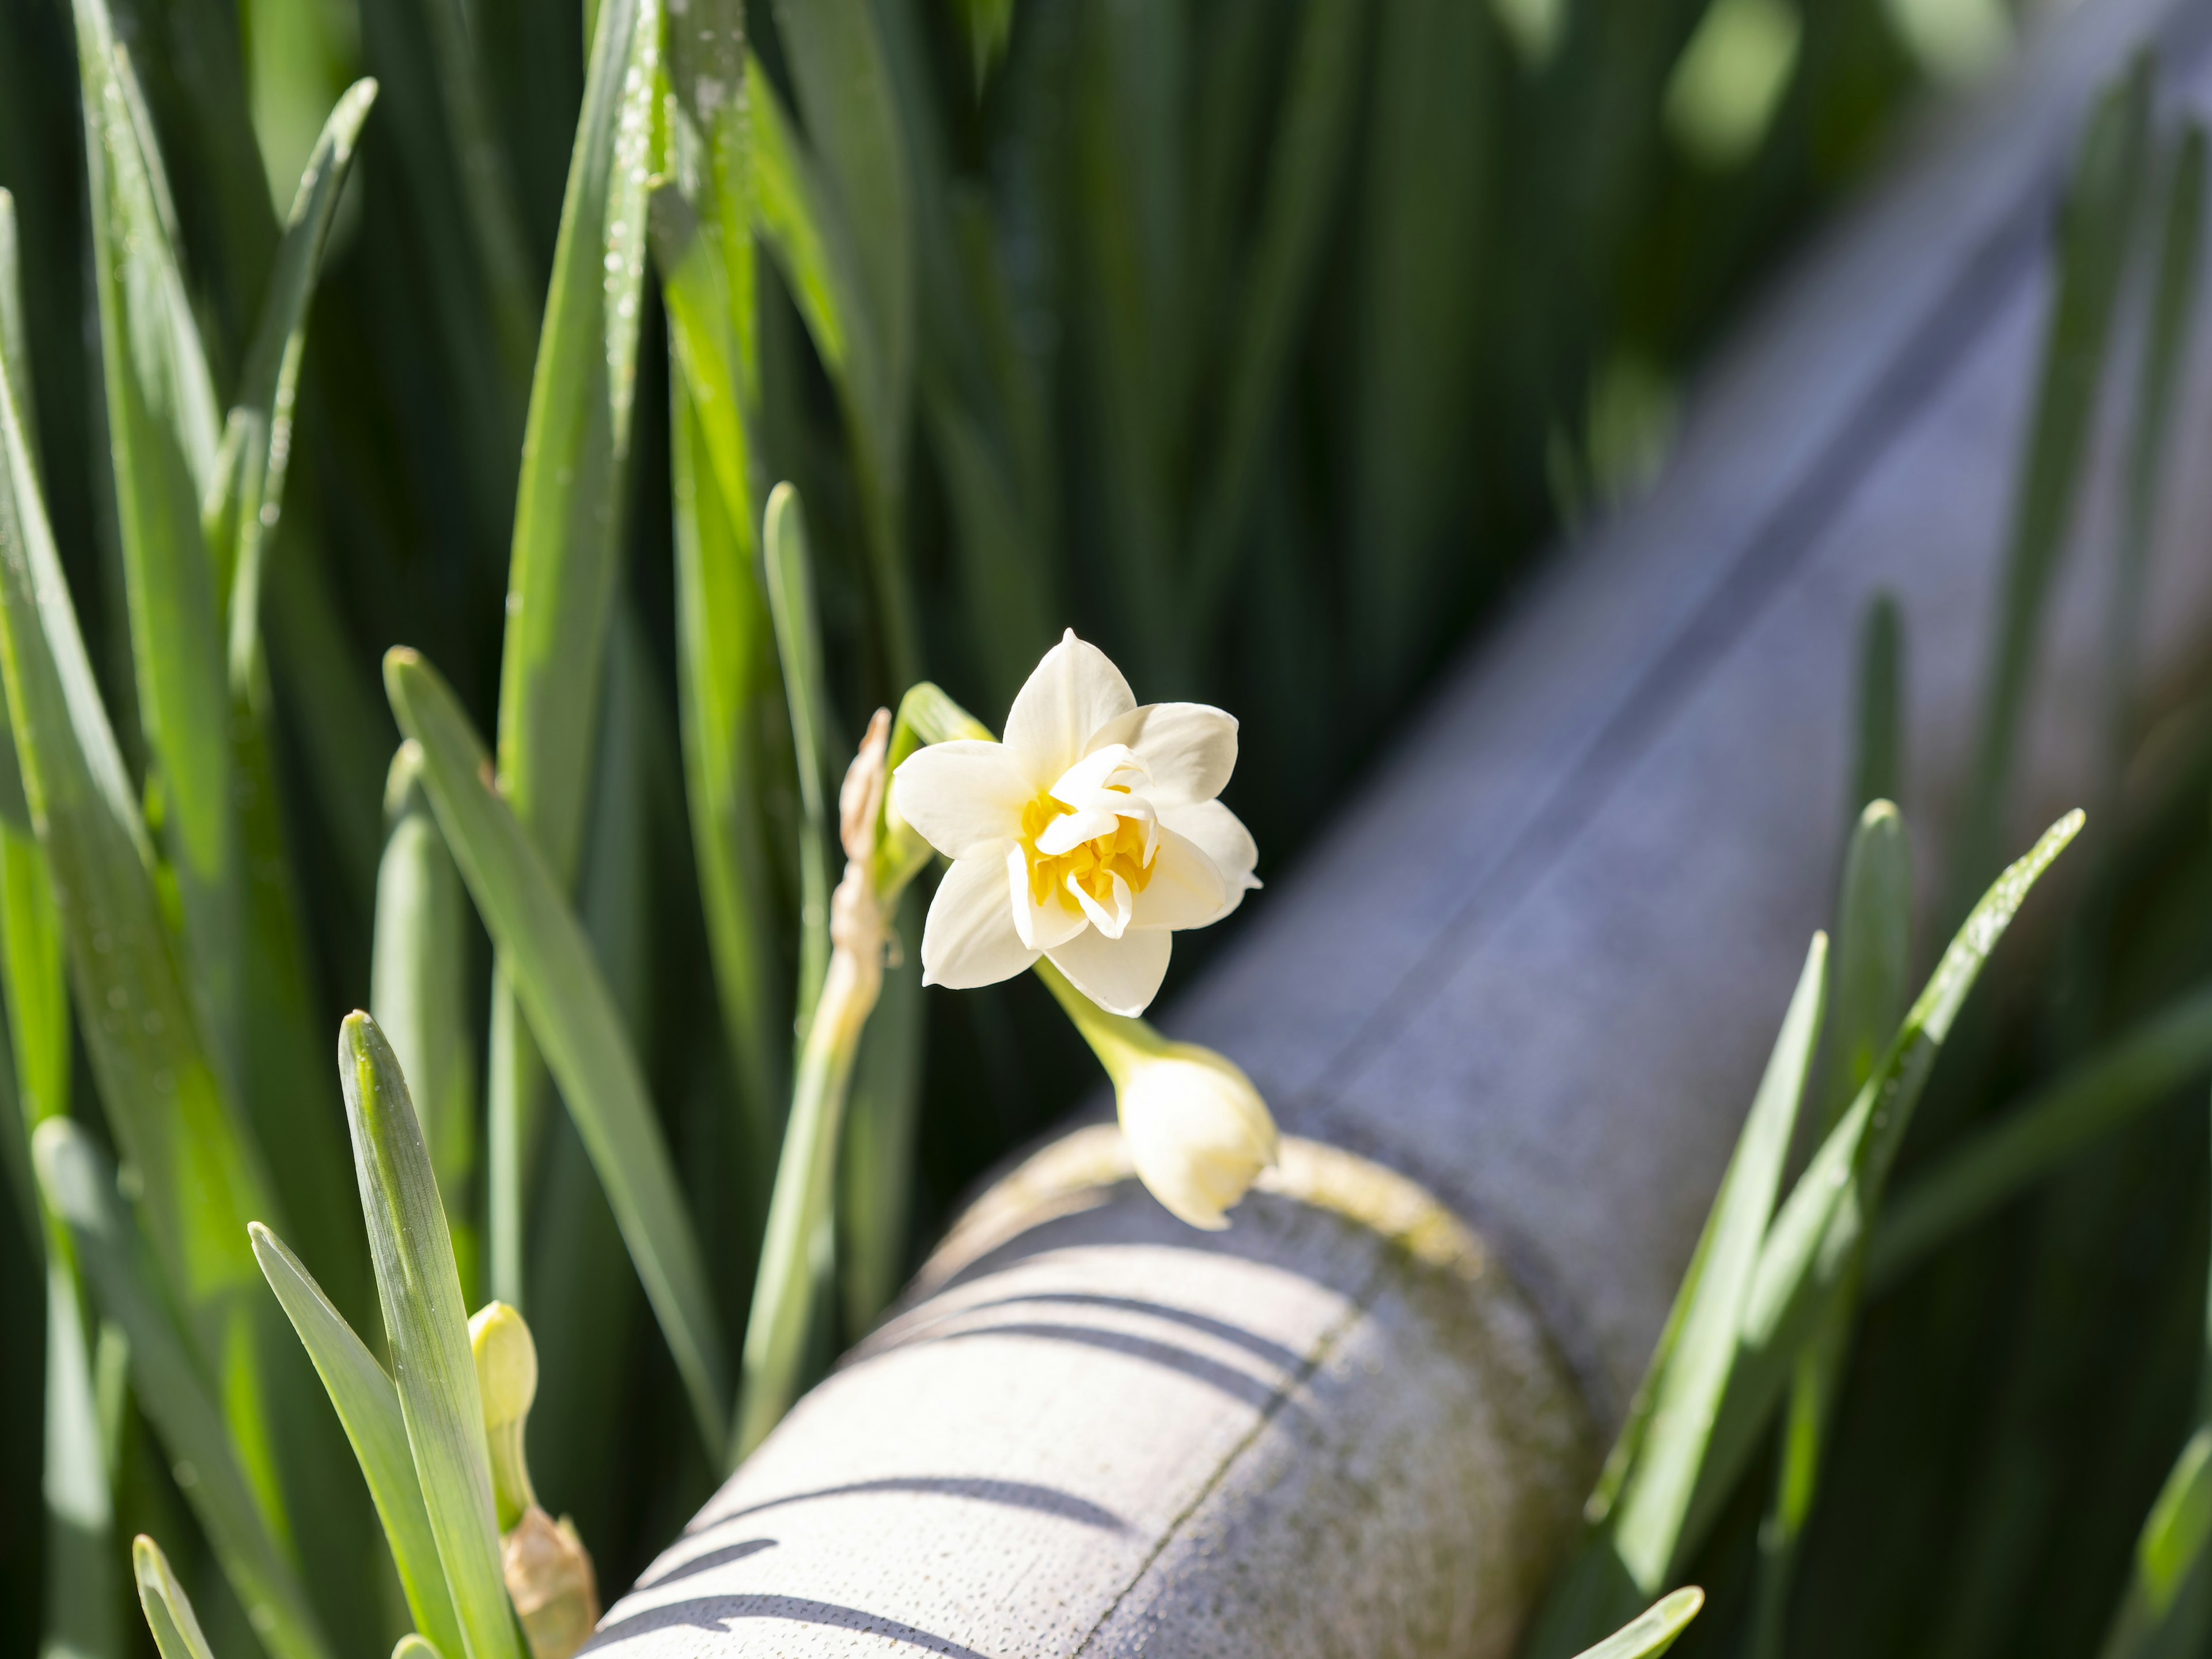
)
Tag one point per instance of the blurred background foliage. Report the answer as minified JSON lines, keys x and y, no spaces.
{"x":1263,"y":343}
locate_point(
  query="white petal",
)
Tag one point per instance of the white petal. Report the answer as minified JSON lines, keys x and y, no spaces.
{"x":1041,"y":927}
{"x":1122,"y":976}
{"x":1114,"y":922}
{"x":963,"y":797}
{"x":1187,"y":888}
{"x":970,"y":937}
{"x":1070,"y":694}
{"x":1094,"y":771}
{"x":1067,"y":833}
{"x":1188,"y":749}
{"x":1222,"y":836}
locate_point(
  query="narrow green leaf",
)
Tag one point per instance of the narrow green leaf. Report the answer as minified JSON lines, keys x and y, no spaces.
{"x":799,"y":647}
{"x":2158,"y":378}
{"x":1425,"y":277}
{"x":2170,"y":1548}
{"x":282,"y":1079}
{"x":77,"y":1484}
{"x":247,"y":492}
{"x":79,"y":1184}
{"x":2093,"y":239}
{"x":168,"y":1610}
{"x":568,"y":504}
{"x":163,"y":434}
{"x":1878,"y":765}
{"x":560,"y":988}
{"x":1874,"y":913}
{"x":1814,"y":1246}
{"x":1647,"y":1521}
{"x":1306,"y":165}
{"x":1874,"y":942}
{"x":367,"y":1406}
{"x":428,"y":1331}
{"x":15,"y":341}
{"x":1653,"y":1631}
{"x":418,"y":992}
{"x":2135,"y":1071}
{"x":728,"y":693}
{"x":562,"y":571}
{"x":841,"y":73}
{"x":200,"y":1173}
{"x":987,"y":25}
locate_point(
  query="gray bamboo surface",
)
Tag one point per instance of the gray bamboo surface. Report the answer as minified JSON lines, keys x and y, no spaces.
{"x":1511,"y":1008}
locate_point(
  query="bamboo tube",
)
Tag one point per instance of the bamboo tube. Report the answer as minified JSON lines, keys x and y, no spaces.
{"x":1535,"y":969}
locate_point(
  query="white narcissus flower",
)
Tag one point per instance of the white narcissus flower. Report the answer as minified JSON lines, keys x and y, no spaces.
{"x":1088,"y":836}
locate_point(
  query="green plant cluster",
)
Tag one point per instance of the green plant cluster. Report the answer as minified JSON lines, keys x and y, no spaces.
{"x":1263,"y":342}
{"x":1969,"y":1416}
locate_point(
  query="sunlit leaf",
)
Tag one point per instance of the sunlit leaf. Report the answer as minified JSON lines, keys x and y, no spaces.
{"x":368,"y":1404}
{"x":574,"y":1019}
{"x":428,"y":1331}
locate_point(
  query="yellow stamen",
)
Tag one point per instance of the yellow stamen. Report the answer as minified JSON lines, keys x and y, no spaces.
{"x":1093,"y":865}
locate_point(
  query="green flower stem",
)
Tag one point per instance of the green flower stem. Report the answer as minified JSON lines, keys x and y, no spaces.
{"x":859,"y":929}
{"x":1120,"y":1042}
{"x":775,"y":1338}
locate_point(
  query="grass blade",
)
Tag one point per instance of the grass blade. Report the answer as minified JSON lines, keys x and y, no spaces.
{"x":2093,"y":238}
{"x":168,"y":1610}
{"x":246,"y":498}
{"x":1652,"y":1631}
{"x":1814,"y":1246}
{"x":163,"y":433}
{"x":568,"y":506}
{"x":2164,"y":353}
{"x":1647,"y":1522}
{"x":561,"y":988}
{"x":418,"y":992}
{"x":1309,"y":156}
{"x":79,"y":1183}
{"x":1874,"y":947}
{"x":841,"y":72}
{"x":428,"y":1331}
{"x":1877,"y":766}
{"x":2129,"y":1076}
{"x":76,"y":1483}
{"x":367,"y":1406}
{"x":281,"y":1069}
{"x":200,"y":1172}
{"x":729,"y":692}
{"x":1872,"y":959}
{"x":2170,"y":1548}
{"x":14,"y":342}
{"x":799,"y":647}
{"x":1642,"y":1495}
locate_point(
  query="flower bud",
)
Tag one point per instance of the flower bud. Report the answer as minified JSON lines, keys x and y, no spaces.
{"x":1198,"y":1132}
{"x":507,"y":1383}
{"x":549,"y":1580}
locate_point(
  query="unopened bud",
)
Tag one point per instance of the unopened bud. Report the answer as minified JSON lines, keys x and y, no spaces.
{"x":1198,"y":1131}
{"x":507,"y":1383}
{"x":549,"y":1580}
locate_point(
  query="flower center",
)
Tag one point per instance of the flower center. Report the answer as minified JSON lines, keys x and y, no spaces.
{"x":1090,"y":865}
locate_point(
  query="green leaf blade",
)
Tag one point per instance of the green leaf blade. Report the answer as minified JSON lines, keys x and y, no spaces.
{"x":1647,"y":1522}
{"x":79,"y":1183}
{"x":368,"y":1404}
{"x":573,"y":1016}
{"x":428,"y":1330}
